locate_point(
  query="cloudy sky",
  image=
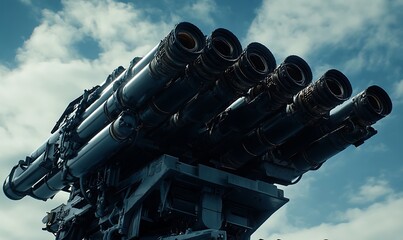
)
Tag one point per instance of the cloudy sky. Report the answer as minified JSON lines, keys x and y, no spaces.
{"x":51,"y":51}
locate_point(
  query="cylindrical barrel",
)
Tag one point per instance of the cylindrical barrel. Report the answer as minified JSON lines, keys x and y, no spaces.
{"x":221,"y":51}
{"x":309,"y":105}
{"x":278,"y":89}
{"x":182,"y":45}
{"x":110,"y":140}
{"x":124,"y":76}
{"x":163,"y":63}
{"x":329,"y":145}
{"x":23,"y":177}
{"x":365,"y":109}
{"x":108,"y":90}
{"x":251,"y":68}
{"x":28,"y":172}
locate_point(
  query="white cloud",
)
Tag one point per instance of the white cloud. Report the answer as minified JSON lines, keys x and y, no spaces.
{"x":36,"y":94}
{"x":121,"y":31}
{"x":28,"y":2}
{"x":49,"y":74}
{"x":380,"y":147}
{"x":116,"y":23}
{"x":347,"y":223}
{"x":201,"y":10}
{"x":372,"y":190}
{"x":51,"y":40}
{"x":398,"y":93}
{"x":24,"y":220}
{"x":378,"y":221}
{"x":280,"y":220}
{"x":304,"y":27}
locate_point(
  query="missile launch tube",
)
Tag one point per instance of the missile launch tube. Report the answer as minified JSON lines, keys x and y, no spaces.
{"x":23,"y":177}
{"x":329,"y":145}
{"x":222,"y":49}
{"x":111,"y":88}
{"x":278,"y":89}
{"x":106,"y":93}
{"x":26,"y":173}
{"x":352,"y":127}
{"x":108,"y":141}
{"x":182,"y":45}
{"x":309,"y":105}
{"x":365,"y":109}
{"x":252,"y":67}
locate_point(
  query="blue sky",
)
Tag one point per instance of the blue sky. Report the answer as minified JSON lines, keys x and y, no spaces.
{"x":51,"y":51}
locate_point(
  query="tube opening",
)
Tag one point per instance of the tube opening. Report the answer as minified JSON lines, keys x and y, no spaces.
{"x":375,"y":104}
{"x":187,"y":40}
{"x":378,"y":100}
{"x":180,"y":47}
{"x":257,"y":62}
{"x":332,"y":89}
{"x":295,"y":73}
{"x":223,"y":47}
{"x":337,"y":85}
{"x":335,"y":88}
{"x":299,"y":64}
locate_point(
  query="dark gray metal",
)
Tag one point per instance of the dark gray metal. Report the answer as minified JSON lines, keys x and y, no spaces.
{"x":218,"y":197}
{"x":164,"y":150}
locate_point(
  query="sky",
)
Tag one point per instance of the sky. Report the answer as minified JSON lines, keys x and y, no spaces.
{"x":50,"y":51}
